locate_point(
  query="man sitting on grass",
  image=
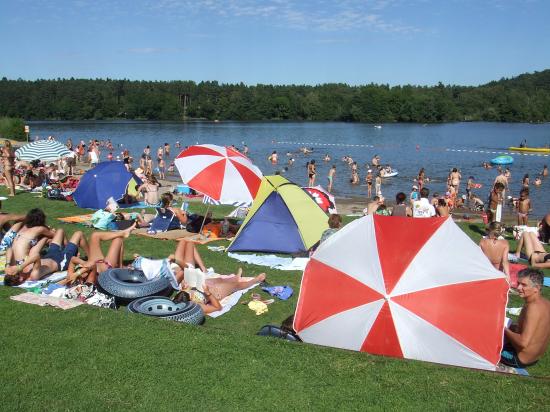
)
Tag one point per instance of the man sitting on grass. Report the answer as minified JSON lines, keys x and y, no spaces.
{"x":526,"y":341}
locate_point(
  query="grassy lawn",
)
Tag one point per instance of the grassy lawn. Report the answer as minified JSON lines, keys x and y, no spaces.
{"x":97,"y":359}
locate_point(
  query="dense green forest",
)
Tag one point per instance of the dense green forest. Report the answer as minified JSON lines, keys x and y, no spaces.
{"x":525,"y":98}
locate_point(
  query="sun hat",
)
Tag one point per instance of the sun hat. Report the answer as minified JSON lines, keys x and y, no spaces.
{"x":415,"y":187}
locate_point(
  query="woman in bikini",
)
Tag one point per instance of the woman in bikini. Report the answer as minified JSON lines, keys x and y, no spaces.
{"x":496,"y":249}
{"x":532,"y":243}
{"x":150,"y":187}
{"x":311,"y":173}
{"x":26,"y":240}
{"x":215,"y":289}
{"x":8,"y":159}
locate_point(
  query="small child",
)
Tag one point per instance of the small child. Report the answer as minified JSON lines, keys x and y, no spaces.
{"x":523,"y":207}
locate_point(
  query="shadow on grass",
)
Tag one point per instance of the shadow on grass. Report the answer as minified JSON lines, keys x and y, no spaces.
{"x":477,"y":229}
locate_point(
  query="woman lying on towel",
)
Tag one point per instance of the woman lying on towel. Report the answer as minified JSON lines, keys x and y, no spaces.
{"x":88,"y":270}
{"x":187,"y":256}
{"x":534,"y":249}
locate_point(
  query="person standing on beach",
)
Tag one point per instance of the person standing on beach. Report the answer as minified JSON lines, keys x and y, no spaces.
{"x":8,"y":161}
{"x":454,"y":180}
{"x":369,"y":178}
{"x":495,"y":200}
{"x":330,"y":177}
{"x":162,"y":168}
{"x":378,"y":185}
{"x":523,"y":207}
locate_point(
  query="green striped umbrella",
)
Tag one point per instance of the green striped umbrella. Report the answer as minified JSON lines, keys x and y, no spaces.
{"x":46,"y":150}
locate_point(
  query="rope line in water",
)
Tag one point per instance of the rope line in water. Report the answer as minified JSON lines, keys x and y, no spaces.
{"x":370,"y":146}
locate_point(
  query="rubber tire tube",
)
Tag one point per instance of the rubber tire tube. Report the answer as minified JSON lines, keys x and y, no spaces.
{"x":127,"y":284}
{"x":162,"y":307}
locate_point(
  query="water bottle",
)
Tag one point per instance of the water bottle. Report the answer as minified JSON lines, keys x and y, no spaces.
{"x":225,"y":227}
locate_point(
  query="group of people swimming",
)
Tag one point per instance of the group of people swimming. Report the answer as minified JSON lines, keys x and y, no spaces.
{"x":34,"y":251}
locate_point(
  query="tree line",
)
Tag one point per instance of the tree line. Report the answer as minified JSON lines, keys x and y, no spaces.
{"x":525,"y":98}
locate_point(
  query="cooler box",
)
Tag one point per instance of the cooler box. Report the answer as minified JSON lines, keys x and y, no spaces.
{"x":183,"y":189}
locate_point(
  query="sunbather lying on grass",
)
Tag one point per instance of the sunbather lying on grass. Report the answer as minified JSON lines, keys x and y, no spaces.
{"x":88,"y":270}
{"x":56,"y":259}
{"x":187,"y":256}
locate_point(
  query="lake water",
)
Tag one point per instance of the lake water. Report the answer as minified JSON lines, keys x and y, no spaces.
{"x":406,"y":147}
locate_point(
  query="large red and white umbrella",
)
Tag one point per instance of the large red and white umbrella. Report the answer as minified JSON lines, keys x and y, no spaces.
{"x":221,"y":173}
{"x":403,"y":287}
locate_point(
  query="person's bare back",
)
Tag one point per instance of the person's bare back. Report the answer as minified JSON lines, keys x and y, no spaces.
{"x":496,"y":251}
{"x":538,"y":313}
{"x":530,"y":337}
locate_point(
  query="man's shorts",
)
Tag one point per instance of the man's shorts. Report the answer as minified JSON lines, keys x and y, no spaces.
{"x":509,"y":357}
{"x":61,"y":256}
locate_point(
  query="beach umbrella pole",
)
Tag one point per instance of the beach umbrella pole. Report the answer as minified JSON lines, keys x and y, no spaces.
{"x":204,"y":219}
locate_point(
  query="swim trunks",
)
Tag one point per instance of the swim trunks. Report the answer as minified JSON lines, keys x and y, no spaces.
{"x":61,"y":256}
{"x":509,"y":357}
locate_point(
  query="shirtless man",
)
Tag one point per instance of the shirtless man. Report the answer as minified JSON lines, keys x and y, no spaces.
{"x":442,"y":209}
{"x":330,"y":177}
{"x":503,"y":179}
{"x":526,"y":341}
{"x":372,"y":206}
{"x":495,"y":248}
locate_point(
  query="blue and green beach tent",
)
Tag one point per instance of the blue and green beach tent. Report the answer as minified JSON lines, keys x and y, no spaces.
{"x":283,"y":219}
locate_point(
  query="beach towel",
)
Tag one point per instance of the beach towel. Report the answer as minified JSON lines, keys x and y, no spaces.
{"x":547,"y":282}
{"x":281,"y":292}
{"x":514,"y":269}
{"x":76,"y":219}
{"x":272,"y":261}
{"x":45,"y":300}
{"x":177,"y":234}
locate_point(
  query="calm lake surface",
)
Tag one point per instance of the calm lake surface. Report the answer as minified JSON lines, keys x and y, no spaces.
{"x":406,"y":147}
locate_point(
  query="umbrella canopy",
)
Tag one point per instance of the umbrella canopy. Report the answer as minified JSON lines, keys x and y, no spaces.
{"x":221,"y":173}
{"x":46,"y":150}
{"x":107,"y":179}
{"x":323,"y":198}
{"x":410,"y":288}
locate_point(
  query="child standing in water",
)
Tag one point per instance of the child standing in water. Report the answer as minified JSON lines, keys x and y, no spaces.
{"x":378,"y":185}
{"x":330,"y":177}
{"x":523,"y":207}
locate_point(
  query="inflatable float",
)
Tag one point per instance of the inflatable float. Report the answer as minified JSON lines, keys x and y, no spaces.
{"x":502,"y":160}
{"x":128,"y":284}
{"x":162,"y":307}
{"x":530,"y":149}
{"x":394,"y":172}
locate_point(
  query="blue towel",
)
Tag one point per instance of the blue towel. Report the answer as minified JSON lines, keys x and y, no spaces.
{"x":547,"y":282}
{"x":282,"y":292}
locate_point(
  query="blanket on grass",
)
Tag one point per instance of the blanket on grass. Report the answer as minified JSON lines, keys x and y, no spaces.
{"x":78,"y":219}
{"x":45,"y":300}
{"x":272,"y":261}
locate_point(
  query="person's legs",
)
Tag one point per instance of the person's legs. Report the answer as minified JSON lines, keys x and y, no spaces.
{"x":10,"y":217}
{"x":79,"y":239}
{"x":187,"y":253}
{"x":224,"y":287}
{"x":531,"y":244}
{"x":8,"y":172}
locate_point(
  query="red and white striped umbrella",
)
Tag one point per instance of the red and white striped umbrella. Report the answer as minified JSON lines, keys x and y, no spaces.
{"x":403,"y":287}
{"x":221,"y":173}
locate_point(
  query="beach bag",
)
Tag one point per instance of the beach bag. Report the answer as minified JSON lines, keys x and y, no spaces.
{"x":55,"y":194}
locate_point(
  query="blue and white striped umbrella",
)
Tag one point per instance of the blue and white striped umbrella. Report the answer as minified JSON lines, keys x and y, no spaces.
{"x":46,"y":150}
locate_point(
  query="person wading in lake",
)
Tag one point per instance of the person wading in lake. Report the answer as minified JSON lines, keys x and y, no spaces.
{"x":330,"y":177}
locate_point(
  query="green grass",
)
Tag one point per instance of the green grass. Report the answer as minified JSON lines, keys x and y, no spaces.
{"x":97,"y":359}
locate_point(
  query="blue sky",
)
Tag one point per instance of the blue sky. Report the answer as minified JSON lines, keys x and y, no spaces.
{"x":276,"y":41}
